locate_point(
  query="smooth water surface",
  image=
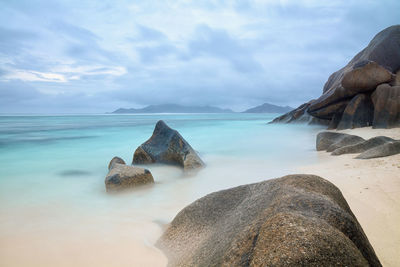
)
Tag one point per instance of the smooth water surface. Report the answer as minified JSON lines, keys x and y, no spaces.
{"x":54,"y":210}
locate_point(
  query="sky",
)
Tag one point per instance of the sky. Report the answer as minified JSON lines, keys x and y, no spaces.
{"x":84,"y":56}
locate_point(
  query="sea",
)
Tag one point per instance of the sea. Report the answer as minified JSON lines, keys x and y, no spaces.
{"x":54,"y":209}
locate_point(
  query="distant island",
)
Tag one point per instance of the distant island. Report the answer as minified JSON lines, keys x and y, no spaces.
{"x":268,"y":108}
{"x":175,"y":108}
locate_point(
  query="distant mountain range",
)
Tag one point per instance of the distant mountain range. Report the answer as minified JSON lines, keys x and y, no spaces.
{"x":174,"y":108}
{"x":268,"y":108}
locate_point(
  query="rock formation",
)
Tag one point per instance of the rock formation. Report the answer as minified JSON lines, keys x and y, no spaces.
{"x":384,"y":150}
{"x":340,"y":143}
{"x":121,"y":176}
{"x":331,"y":140}
{"x":346,"y":100}
{"x":363,"y":146}
{"x":296,"y":220}
{"x":386,"y":100}
{"x":167,"y":146}
{"x":114,"y":161}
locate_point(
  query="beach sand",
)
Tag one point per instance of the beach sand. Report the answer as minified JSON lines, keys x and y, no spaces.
{"x":372,"y":189}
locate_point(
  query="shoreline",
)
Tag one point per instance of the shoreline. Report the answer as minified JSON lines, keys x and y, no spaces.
{"x":371,"y":188}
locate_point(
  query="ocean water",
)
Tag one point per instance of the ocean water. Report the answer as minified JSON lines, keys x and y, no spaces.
{"x":54,"y":210}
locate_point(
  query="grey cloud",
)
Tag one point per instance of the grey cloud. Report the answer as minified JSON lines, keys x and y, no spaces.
{"x":149,"y":54}
{"x":218,"y":43}
{"x":81,"y":44}
{"x":150,"y":34}
{"x":16,"y":91}
{"x":72,"y":31}
{"x":276,"y":51}
{"x":12,"y":41}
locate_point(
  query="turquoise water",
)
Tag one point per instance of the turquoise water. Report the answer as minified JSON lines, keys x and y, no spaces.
{"x":53,"y":169}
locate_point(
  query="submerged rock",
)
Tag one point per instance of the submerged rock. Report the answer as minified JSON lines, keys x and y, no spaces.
{"x":115,"y":160}
{"x":385,"y":150}
{"x":296,"y":220}
{"x":167,"y":146}
{"x":121,"y":177}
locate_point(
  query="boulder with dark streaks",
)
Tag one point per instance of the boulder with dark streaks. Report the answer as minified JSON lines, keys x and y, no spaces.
{"x":332,"y":140}
{"x":386,"y":100}
{"x":167,"y":146}
{"x":363,"y":146}
{"x":385,"y":150}
{"x":296,"y":220}
{"x":358,"y":113}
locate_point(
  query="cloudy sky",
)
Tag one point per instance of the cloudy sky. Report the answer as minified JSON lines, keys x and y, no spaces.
{"x":72,"y":56}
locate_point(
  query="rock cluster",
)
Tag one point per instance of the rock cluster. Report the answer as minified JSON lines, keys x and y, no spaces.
{"x":296,"y":220}
{"x":164,"y":146}
{"x":340,"y":143}
{"x":167,"y":146}
{"x":121,"y":176}
{"x":366,"y":92}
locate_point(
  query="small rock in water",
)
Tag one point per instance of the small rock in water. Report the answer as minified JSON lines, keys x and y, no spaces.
{"x":121,"y":177}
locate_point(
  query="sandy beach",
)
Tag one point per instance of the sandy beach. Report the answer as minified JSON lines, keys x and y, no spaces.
{"x":372,"y":189}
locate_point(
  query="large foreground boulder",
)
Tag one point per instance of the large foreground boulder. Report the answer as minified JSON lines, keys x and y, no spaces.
{"x":167,"y":146}
{"x":373,"y":66}
{"x":122,"y":177}
{"x":296,"y":220}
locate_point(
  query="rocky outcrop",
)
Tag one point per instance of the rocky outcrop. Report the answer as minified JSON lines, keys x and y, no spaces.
{"x":167,"y":146}
{"x":345,"y":95}
{"x":114,"y":161}
{"x":300,"y":115}
{"x":121,"y":176}
{"x":386,"y":100}
{"x":296,"y":220}
{"x":340,"y":143}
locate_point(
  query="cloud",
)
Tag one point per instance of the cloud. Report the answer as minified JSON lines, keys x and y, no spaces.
{"x":149,"y":34}
{"x":218,"y":43}
{"x":33,"y":76}
{"x":240,"y":53}
{"x":12,"y":41}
